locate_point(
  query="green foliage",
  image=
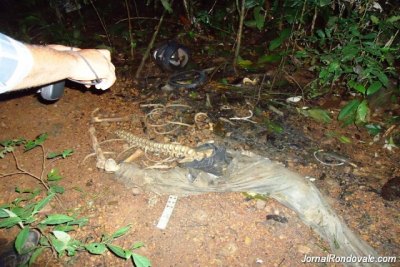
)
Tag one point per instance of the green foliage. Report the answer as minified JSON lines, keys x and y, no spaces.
{"x":355,"y":111}
{"x":259,"y":13}
{"x":277,"y":42}
{"x":36,"y":142}
{"x":64,"y":154}
{"x":24,"y":211}
{"x":9,"y":146}
{"x":317,"y":114}
{"x":357,"y":50}
{"x":341,"y":138}
{"x":373,"y":129}
{"x":167,"y":5}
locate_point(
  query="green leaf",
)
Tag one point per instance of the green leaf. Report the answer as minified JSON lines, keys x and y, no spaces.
{"x":21,"y":239}
{"x":53,"y":175}
{"x":285,"y":33}
{"x":343,"y":139}
{"x":167,"y":6}
{"x":373,"y":129}
{"x":381,"y":76}
{"x":301,"y":54}
{"x":40,"y":205}
{"x":358,"y":87}
{"x":137,"y":245}
{"x":269,"y":58}
{"x":274,"y":44}
{"x":96,"y":248}
{"x":321,"y":34}
{"x":349,"y":109}
{"x":374,"y":19}
{"x":64,"y":228}
{"x":35,"y":255}
{"x":140,"y":261}
{"x":80,"y":222}
{"x":34,"y":143}
{"x":62,"y":236}
{"x":58,"y":245}
{"x":369,"y":36}
{"x":334,"y":66}
{"x":250,"y":23}
{"x":259,"y":18}
{"x":55,"y":219}
{"x":9,"y":222}
{"x":4,"y":214}
{"x":120,"y":252}
{"x":393,"y":19}
{"x":56,"y":189}
{"x":66,"y":153}
{"x":121,"y":231}
{"x":244,"y":63}
{"x":13,"y":142}
{"x":322,"y":3}
{"x":273,"y":126}
{"x":374,"y":87}
{"x":362,"y":112}
{"x":319,"y":115}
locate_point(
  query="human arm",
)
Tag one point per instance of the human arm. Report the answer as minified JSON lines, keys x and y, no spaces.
{"x":48,"y":64}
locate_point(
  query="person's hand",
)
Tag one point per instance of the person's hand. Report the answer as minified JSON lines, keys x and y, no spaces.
{"x":99,"y":60}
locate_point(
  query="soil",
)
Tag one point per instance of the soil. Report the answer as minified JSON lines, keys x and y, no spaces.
{"x":227,"y":229}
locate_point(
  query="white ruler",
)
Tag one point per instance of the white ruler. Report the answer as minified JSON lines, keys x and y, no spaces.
{"x":167,"y":212}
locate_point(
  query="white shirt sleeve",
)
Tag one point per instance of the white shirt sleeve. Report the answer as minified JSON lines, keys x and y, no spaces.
{"x":16,"y":62}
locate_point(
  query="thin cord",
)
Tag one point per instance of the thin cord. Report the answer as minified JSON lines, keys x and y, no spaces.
{"x":97,"y":81}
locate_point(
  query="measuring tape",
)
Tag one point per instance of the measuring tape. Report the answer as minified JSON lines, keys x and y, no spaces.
{"x":167,"y":212}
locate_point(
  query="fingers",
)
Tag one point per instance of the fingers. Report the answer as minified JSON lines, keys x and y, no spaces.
{"x":100,"y":66}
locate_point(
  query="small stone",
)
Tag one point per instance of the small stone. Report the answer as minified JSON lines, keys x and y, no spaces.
{"x":136,"y":191}
{"x":229,"y":250}
{"x":260,"y":204}
{"x":303,"y":249}
{"x":247,"y":240}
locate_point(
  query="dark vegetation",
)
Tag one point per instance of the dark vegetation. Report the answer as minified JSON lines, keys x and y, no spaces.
{"x":345,"y":49}
{"x":349,"y":48}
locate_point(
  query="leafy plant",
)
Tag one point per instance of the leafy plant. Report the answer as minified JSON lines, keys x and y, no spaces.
{"x":357,"y":51}
{"x":54,"y":228}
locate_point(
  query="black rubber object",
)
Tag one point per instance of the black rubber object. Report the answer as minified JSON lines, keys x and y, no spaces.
{"x":187,"y":79}
{"x":214,"y":164}
{"x":52,"y":92}
{"x":171,"y":56}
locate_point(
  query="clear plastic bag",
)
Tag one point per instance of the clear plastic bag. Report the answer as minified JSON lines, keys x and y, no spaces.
{"x":248,"y":172}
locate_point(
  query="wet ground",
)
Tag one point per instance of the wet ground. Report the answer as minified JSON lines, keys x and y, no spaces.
{"x":228,"y":229}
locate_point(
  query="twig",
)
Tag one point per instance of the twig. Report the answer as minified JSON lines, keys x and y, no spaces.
{"x":151,"y":44}
{"x":39,"y":178}
{"x":94,"y":154}
{"x":389,"y":131}
{"x":101,"y":159}
{"x":247,"y":118}
{"x":97,"y":119}
{"x":239,"y":37}
{"x":129,"y":27}
{"x":102,"y":23}
{"x":314,"y":18}
{"x":259,"y":89}
{"x":342,"y":160}
{"x":144,"y":18}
